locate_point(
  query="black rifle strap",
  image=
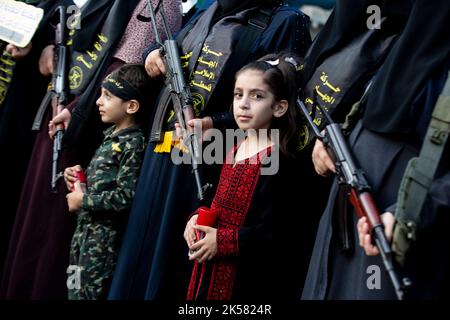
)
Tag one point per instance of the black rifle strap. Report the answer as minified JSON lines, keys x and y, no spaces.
{"x":180,"y":36}
{"x":255,"y":27}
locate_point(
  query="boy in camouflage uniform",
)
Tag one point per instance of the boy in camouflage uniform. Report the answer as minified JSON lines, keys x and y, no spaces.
{"x":111,"y":178}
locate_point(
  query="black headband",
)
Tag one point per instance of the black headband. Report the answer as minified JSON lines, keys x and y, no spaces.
{"x":122,"y":89}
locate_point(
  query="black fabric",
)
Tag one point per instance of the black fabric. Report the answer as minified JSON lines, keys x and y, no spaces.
{"x":345,"y":56}
{"x":197,"y":33}
{"x":116,"y":21}
{"x":227,"y":6}
{"x":87,"y":57}
{"x":337,"y":88}
{"x":16,"y":117}
{"x":345,"y":22}
{"x":230,"y":6}
{"x":420,"y":52}
{"x":93,"y":15}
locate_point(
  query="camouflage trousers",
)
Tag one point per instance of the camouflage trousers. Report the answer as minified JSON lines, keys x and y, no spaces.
{"x":93,"y":256}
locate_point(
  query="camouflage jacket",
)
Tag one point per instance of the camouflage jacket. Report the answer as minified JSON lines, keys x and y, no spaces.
{"x":113,"y":171}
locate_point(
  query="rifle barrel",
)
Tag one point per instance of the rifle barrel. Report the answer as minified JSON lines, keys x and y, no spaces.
{"x":60,"y":87}
{"x":56,"y":151}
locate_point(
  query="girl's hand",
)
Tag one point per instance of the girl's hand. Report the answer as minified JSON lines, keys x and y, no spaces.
{"x":75,"y":199}
{"x":189,"y":231}
{"x":206,"y":248}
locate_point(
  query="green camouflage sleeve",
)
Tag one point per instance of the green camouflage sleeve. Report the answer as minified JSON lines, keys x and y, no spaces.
{"x":120,"y":198}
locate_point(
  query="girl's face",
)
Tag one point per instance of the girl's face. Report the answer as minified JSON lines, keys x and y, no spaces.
{"x":254,"y":105}
{"x":112,"y":109}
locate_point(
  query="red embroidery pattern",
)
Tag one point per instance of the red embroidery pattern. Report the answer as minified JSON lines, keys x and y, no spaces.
{"x":232,"y":201}
{"x":233,"y":196}
{"x":227,"y":237}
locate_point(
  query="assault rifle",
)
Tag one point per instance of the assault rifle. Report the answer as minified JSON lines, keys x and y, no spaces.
{"x":59,"y":88}
{"x":178,"y":93}
{"x":350,"y":175}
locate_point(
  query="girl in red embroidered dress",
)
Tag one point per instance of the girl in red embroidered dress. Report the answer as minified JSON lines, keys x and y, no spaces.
{"x":238,"y":247}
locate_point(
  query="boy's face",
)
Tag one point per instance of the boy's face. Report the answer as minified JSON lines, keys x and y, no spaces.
{"x":112,"y":109}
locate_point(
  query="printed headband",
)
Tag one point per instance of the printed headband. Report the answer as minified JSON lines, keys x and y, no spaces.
{"x":122,"y":89}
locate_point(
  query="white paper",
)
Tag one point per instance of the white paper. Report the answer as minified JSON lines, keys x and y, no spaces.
{"x":18,"y":22}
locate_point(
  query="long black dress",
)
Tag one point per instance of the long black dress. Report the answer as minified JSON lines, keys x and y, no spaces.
{"x":27,"y":88}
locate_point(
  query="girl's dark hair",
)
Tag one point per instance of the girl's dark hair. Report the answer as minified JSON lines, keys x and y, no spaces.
{"x":137,"y":77}
{"x":281,"y":75}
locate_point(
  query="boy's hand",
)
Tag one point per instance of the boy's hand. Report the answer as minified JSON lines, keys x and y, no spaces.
{"x":70,"y":177}
{"x":75,"y":199}
{"x":206,"y":248}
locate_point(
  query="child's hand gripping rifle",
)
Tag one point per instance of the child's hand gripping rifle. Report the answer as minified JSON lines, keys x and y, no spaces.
{"x":59,"y":88}
{"x":178,"y":93}
{"x":348,"y":174}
